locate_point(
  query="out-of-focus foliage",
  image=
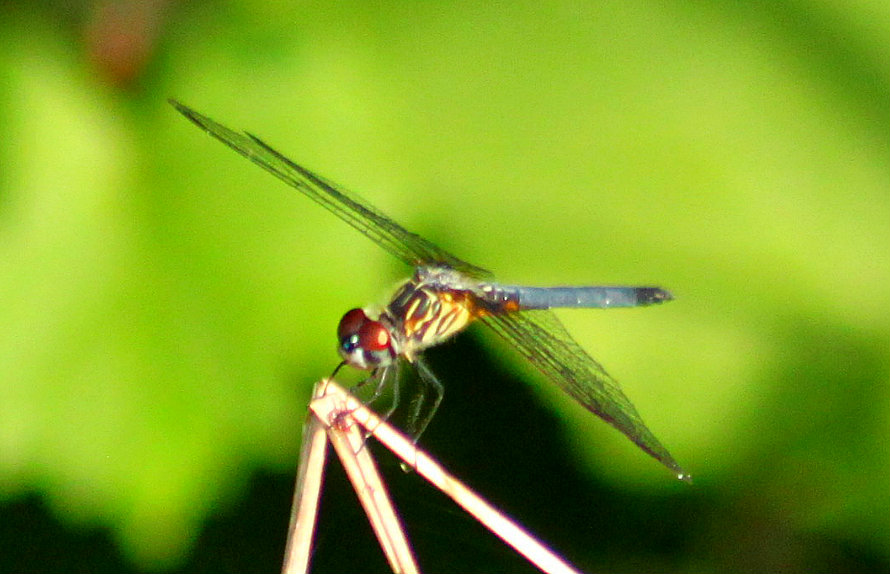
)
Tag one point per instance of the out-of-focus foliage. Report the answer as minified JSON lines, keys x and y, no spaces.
{"x":165,"y":306}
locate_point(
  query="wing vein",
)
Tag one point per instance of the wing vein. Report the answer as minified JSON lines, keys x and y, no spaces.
{"x":351,"y":208}
{"x":542,"y":339}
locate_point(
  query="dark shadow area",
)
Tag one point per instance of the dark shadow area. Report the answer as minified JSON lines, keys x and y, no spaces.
{"x":491,"y":432}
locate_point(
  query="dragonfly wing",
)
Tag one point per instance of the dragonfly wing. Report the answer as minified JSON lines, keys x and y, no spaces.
{"x":409,"y":247}
{"x":543,"y":340}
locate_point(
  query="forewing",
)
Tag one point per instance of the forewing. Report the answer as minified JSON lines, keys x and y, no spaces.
{"x":409,"y":247}
{"x":543,"y":340}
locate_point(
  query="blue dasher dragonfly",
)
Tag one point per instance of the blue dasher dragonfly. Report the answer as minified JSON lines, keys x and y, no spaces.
{"x":445,"y":294}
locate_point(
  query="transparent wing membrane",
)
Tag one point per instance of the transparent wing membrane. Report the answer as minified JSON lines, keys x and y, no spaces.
{"x":405,"y":245}
{"x":543,"y":340}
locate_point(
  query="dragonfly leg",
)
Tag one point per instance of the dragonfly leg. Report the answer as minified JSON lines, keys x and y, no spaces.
{"x":416,"y":405}
{"x":428,"y":380}
{"x":382,"y":376}
{"x":395,"y":390}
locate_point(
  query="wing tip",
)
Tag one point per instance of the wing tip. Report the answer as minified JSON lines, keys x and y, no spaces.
{"x":181,"y":108}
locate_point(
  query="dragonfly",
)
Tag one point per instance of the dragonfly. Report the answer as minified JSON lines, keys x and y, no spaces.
{"x":445,"y":294}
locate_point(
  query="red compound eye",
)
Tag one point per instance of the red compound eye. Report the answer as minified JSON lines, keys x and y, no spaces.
{"x":373,"y":336}
{"x":351,"y":322}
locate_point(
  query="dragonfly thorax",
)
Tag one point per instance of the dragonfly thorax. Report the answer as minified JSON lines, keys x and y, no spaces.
{"x":431,"y":307}
{"x":365,"y":343}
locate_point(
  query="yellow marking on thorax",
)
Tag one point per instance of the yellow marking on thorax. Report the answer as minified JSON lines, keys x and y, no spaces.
{"x":444,"y":316}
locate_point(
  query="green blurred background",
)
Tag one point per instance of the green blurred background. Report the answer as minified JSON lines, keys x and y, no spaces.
{"x":165,"y":306}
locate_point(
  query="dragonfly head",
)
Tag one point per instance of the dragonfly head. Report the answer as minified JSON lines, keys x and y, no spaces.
{"x":365,"y":343}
